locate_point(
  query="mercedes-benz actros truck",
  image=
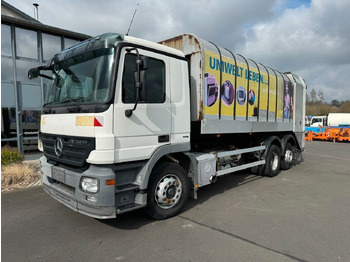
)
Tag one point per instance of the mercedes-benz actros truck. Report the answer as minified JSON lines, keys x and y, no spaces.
{"x":128,"y":123}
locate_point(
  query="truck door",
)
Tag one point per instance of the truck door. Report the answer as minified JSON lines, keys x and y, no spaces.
{"x":149,"y":126}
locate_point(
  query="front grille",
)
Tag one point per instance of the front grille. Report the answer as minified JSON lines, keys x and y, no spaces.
{"x":75,"y":149}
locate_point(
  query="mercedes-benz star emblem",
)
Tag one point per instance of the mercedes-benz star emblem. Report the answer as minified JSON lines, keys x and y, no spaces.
{"x":58,"y":147}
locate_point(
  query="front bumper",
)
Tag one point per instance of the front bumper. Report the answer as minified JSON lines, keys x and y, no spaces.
{"x":64,"y":186}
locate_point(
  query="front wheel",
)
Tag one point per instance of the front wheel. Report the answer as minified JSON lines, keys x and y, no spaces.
{"x":273,"y":161}
{"x":168,"y":190}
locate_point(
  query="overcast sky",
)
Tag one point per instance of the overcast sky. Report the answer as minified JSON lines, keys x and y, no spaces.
{"x":310,"y":38}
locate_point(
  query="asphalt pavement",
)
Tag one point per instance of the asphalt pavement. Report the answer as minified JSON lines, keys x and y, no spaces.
{"x":303,"y":214}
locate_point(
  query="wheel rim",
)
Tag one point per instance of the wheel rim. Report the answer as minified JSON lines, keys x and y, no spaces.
{"x":274,"y":162}
{"x":288,"y":157}
{"x":168,"y":191}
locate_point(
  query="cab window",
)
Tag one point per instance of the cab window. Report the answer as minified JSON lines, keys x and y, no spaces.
{"x":154,"y":78}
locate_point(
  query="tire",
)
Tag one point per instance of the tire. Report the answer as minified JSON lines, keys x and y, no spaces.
{"x":273,"y":161}
{"x":288,"y":156}
{"x":170,"y":181}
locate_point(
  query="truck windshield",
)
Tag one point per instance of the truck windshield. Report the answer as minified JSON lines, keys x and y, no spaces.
{"x":81,"y":79}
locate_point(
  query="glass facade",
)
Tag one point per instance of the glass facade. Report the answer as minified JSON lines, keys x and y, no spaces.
{"x":6,"y":40}
{"x":22,"y":48}
{"x":6,"y":69}
{"x":51,"y":45}
{"x":26,"y":43}
{"x":22,"y":67}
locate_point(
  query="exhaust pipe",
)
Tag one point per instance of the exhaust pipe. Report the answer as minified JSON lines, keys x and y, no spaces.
{"x":213,"y":179}
{"x":36,"y":11}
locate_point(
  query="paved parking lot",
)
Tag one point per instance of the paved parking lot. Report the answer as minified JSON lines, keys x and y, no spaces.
{"x":303,"y":214}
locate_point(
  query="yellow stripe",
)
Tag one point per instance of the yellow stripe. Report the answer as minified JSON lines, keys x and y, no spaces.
{"x":84,"y":121}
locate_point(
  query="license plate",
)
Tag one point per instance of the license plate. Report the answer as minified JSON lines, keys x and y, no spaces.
{"x":57,"y":174}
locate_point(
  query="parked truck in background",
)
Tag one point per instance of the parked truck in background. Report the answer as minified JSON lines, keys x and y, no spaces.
{"x":318,"y":121}
{"x":338,"y":119}
{"x":129,"y":123}
{"x":333,"y":119}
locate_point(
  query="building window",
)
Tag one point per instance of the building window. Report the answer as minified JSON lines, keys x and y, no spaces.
{"x":26,"y":43}
{"x":6,"y":69}
{"x":8,"y":118}
{"x":30,"y":122}
{"x":51,"y":46}
{"x":6,"y":41}
{"x":22,"y":71}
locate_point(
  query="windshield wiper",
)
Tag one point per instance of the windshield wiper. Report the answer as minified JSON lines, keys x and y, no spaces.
{"x":48,"y":110}
{"x":76,"y":103}
{"x":49,"y":103}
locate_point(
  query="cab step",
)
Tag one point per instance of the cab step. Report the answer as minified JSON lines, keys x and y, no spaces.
{"x":128,"y":207}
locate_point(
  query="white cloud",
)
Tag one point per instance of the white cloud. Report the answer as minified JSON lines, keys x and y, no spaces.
{"x":312,"y":41}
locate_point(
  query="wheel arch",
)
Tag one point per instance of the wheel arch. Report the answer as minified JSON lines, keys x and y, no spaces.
{"x":271,"y":140}
{"x":168,"y":153}
{"x":288,"y":139}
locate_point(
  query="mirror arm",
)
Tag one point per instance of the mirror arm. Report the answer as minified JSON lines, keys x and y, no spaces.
{"x":128,"y":112}
{"x":45,"y":76}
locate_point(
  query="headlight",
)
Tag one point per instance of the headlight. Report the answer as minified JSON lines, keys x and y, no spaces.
{"x":89,"y":184}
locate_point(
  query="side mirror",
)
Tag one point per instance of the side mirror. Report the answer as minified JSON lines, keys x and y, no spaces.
{"x":143,"y":78}
{"x":143,"y":81}
{"x":144,"y":62}
{"x":140,"y":85}
{"x":33,"y":73}
{"x":139,"y":79}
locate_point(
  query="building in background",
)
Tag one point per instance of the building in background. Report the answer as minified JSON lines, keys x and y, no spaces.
{"x":25,"y":43}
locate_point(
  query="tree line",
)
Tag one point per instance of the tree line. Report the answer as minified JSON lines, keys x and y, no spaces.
{"x":316,"y":104}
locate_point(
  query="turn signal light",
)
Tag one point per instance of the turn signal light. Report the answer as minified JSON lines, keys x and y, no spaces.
{"x":110,"y":182}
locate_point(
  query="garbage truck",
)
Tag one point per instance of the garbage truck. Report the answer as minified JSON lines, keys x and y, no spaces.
{"x":128,"y":123}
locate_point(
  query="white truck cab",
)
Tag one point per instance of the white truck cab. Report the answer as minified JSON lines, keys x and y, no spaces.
{"x":318,"y":121}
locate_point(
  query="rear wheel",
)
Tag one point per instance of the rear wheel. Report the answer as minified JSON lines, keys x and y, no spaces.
{"x":168,"y":190}
{"x":273,"y":161}
{"x":288,"y":157}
